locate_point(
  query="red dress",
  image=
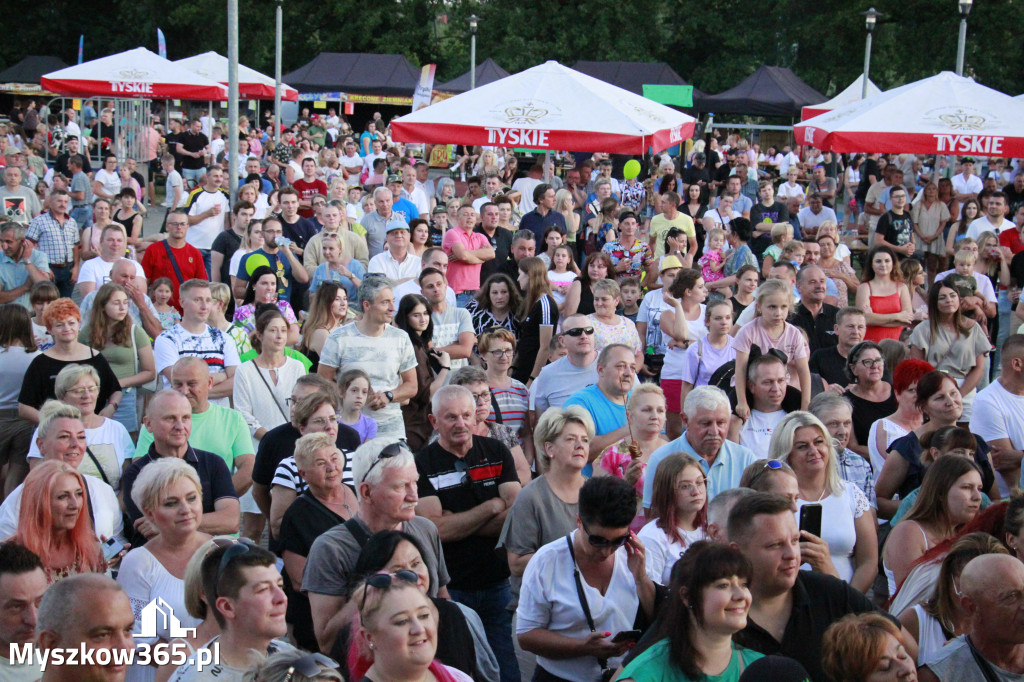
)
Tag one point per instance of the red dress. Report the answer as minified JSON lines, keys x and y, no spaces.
{"x":884,"y":305}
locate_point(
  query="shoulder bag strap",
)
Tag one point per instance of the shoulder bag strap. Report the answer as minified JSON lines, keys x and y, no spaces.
{"x":174,"y":263}
{"x":361,"y":536}
{"x":986,"y":668}
{"x":497,"y":410}
{"x":583,"y":597}
{"x":270,"y":391}
{"x":96,"y":461}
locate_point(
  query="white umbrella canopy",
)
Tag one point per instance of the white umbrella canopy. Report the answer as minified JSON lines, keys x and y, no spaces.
{"x":251,"y":83}
{"x":136,"y":73}
{"x":549,"y":107}
{"x":943,"y":114}
{"x":852,"y":93}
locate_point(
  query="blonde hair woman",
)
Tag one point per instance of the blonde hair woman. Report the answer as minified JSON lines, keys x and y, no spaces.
{"x":564,"y":204}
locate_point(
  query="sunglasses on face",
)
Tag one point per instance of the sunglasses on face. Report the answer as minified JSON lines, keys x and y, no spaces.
{"x":383,"y":581}
{"x":580,"y":331}
{"x":390,"y":451}
{"x":602,"y":542}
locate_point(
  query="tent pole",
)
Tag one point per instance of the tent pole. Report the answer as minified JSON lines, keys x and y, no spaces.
{"x":232,"y":98}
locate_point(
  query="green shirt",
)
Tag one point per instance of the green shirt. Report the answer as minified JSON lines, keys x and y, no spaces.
{"x":288,"y":352}
{"x":219,"y":430}
{"x":121,"y":359}
{"x":653,"y":665}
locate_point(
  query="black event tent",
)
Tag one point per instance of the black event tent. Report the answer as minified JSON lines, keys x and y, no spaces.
{"x":769,"y":91}
{"x":633,"y":75}
{"x":487,"y":72}
{"x":28,"y":71}
{"x":356,"y":73}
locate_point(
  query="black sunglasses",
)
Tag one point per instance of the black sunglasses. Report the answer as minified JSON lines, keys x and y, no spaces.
{"x":388,"y":452}
{"x":235,"y":549}
{"x":601,"y":541}
{"x":310,"y":665}
{"x":580,"y":331}
{"x":772,"y":464}
{"x":383,"y":581}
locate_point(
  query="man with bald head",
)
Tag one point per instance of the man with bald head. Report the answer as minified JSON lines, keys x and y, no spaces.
{"x":140,"y":307}
{"x":992,"y":646}
{"x":169,"y":419}
{"x":88,"y":611}
{"x":215,"y":428}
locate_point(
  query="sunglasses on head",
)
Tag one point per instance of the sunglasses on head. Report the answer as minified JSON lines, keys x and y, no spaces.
{"x":773,"y":464}
{"x":384,"y":580}
{"x":580,"y":331}
{"x":601,"y":541}
{"x":235,"y":549}
{"x":388,"y":452}
{"x":310,"y":665}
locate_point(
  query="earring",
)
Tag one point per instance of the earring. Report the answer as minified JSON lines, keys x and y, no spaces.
{"x":371,"y":646}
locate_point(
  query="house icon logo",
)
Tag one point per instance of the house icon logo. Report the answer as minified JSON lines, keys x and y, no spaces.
{"x":158,"y":615}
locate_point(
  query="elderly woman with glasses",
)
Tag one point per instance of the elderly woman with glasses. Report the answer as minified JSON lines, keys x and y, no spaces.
{"x":316,"y":413}
{"x":170,"y":496}
{"x":803,"y":442}
{"x":601,"y":563}
{"x":871,"y":395}
{"x":325,"y":503}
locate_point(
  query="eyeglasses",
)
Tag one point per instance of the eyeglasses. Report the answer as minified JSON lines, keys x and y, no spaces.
{"x":482,"y":397}
{"x":310,"y":665}
{"x":773,"y":464}
{"x":601,"y":541}
{"x":235,"y":549}
{"x":579,"y":331}
{"x":324,"y":421}
{"x":388,"y":452}
{"x":383,"y":581}
{"x":82,"y":392}
{"x":503,"y":353}
{"x":692,"y":487}
{"x":175,"y":224}
{"x":877,"y":362}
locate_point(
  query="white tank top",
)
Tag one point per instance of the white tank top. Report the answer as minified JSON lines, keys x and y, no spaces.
{"x":930,"y":637}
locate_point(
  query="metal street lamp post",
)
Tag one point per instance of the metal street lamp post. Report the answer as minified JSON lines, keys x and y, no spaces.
{"x":473,"y":20}
{"x":277,"y":75}
{"x":871,"y":18}
{"x":965,"y":9}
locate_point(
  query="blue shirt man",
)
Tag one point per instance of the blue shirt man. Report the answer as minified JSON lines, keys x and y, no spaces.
{"x":21,"y":266}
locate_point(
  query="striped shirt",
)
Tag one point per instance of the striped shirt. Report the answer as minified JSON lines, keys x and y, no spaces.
{"x":287,"y":475}
{"x":513,"y":402}
{"x":55,"y":239}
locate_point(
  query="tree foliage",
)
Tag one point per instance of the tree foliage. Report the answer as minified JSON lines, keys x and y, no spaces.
{"x":712,"y":43}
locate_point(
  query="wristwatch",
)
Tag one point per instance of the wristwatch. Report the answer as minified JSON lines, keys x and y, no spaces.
{"x":390,"y":396}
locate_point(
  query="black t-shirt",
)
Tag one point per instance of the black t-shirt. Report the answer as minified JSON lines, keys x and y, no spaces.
{"x":737,"y":308}
{"x":896,"y":229}
{"x":172,"y":140}
{"x":829,"y":364}
{"x":193,"y":142}
{"x":300,"y":232}
{"x":544,"y":312}
{"x":1014,"y":199}
{"x":868,"y":168}
{"x":722,"y":173}
{"x":776,"y":213}
{"x":63,"y":168}
{"x":137,"y":176}
{"x":306,"y":519}
{"x":226,"y":243}
{"x":501,"y":242}
{"x":693,"y":175}
{"x":1017,"y":269}
{"x":41,"y":378}
{"x":279,"y":443}
{"x":821,"y":329}
{"x":867,"y":412}
{"x":461,"y":485}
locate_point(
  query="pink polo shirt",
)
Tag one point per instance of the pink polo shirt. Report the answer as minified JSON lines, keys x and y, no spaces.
{"x":462,"y":276}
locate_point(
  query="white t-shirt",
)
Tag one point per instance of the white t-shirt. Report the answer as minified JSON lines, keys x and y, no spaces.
{"x":386,"y":264}
{"x":525,"y":187}
{"x":413,"y":287}
{"x":983,"y":224}
{"x":447,"y":328}
{"x":106,"y":510}
{"x":675,"y":358}
{"x":892,"y":432}
{"x":567,"y":277}
{"x":202,"y":234}
{"x":971,"y":185}
{"x":111,"y":182}
{"x":838,"y":529}
{"x":213,"y":346}
{"x":998,"y":414}
{"x":662,"y":553}
{"x":174,"y":180}
{"x":111,"y":444}
{"x":702,"y":359}
{"x":548,"y":600}
{"x":756,"y":432}
{"x":97,"y":271}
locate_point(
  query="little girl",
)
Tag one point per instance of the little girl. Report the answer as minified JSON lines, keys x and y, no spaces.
{"x":560,"y":274}
{"x":160,"y":293}
{"x":713,"y":260}
{"x":781,"y":234}
{"x":794,"y":252}
{"x":355,"y":388}
{"x":41,"y":295}
{"x":769,"y":330}
{"x":714,"y":350}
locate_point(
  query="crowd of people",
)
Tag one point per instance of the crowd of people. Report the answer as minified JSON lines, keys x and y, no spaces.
{"x":744,"y":415}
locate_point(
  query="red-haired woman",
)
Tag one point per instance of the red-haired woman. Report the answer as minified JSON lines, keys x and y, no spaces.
{"x":679,"y":508}
{"x":63,"y":321}
{"x":54,"y":522}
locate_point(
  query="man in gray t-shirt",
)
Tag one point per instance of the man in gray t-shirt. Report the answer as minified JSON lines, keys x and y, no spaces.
{"x":20,"y":204}
{"x":453,"y":327}
{"x":563,"y":377}
{"x":386,"y":484}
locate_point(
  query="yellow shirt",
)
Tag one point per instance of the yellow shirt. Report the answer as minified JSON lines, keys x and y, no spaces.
{"x":660,"y":226}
